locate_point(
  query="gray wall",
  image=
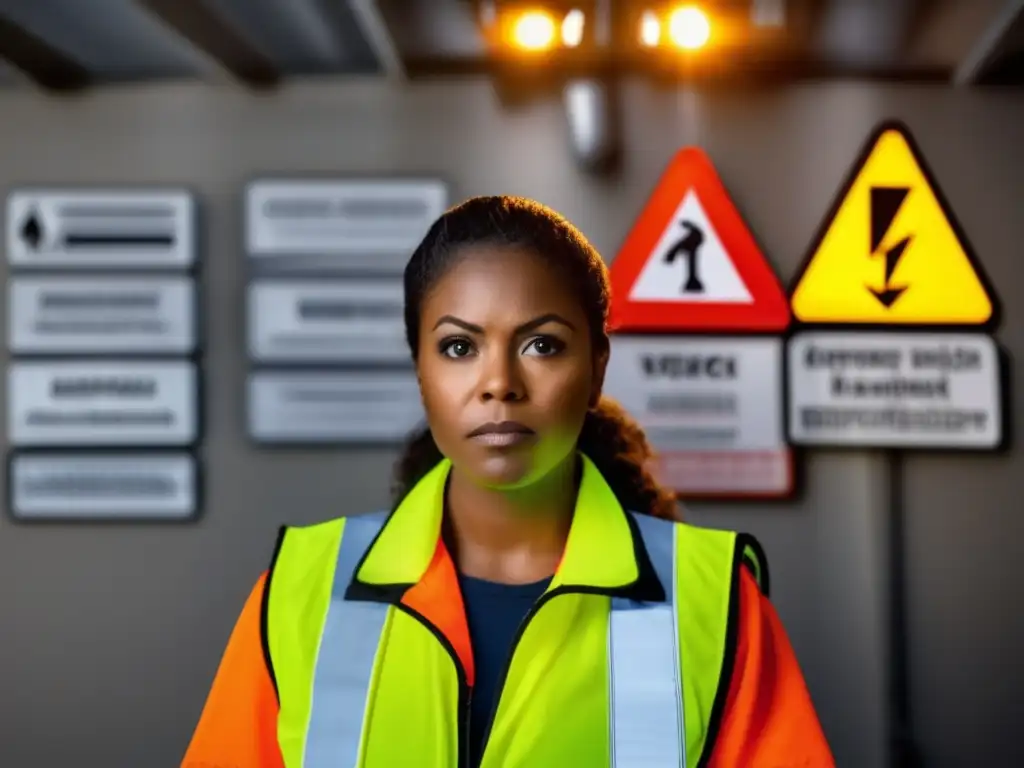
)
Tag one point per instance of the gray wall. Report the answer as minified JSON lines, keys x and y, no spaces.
{"x":110,"y":635}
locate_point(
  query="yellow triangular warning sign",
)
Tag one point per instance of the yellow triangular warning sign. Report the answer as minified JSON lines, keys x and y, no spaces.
{"x":890,"y":251}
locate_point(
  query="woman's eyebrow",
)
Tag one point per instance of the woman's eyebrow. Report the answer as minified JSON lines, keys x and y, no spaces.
{"x":452,"y":320}
{"x":537,"y":322}
{"x":529,"y":325}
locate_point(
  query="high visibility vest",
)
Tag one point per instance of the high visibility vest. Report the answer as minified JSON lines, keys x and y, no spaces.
{"x":622,"y":662}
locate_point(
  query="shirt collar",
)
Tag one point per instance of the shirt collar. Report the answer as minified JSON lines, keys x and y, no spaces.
{"x":604,"y":552}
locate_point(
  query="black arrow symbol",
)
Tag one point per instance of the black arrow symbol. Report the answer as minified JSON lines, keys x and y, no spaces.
{"x":889,"y":295}
{"x":885,"y":204}
{"x":32,"y":231}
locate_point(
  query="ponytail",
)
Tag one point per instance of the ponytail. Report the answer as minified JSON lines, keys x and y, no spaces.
{"x":617,"y":445}
{"x":419,"y":456}
{"x":610,"y":438}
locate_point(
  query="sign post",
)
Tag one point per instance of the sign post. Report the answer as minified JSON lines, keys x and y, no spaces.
{"x":892,"y":347}
{"x":697,"y":352}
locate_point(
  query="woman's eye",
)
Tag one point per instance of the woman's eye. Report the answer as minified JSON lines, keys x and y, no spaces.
{"x":544,"y":346}
{"x":456,"y":348}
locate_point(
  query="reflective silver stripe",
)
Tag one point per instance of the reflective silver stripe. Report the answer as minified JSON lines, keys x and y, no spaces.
{"x":345,"y":658}
{"x":646,"y":725}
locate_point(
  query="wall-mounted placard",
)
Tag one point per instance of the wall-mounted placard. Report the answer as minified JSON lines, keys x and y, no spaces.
{"x":323,"y":407}
{"x":104,"y":403}
{"x":885,"y":389}
{"x":339,"y":225}
{"x":711,"y":406}
{"x":350,"y":321}
{"x":83,"y":315}
{"x":81,"y":229}
{"x":87,"y":487}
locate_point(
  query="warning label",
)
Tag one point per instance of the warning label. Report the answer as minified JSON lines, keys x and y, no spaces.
{"x":885,"y":390}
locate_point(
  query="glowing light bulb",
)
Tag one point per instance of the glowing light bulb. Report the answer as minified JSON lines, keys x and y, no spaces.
{"x":534,"y":31}
{"x":689,"y":28}
{"x":572,"y":28}
{"x":650,"y":29}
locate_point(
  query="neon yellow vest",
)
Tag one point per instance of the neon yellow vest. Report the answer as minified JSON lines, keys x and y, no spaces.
{"x":364,"y":681}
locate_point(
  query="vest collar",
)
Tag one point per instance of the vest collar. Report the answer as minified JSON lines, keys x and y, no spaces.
{"x":604,"y":552}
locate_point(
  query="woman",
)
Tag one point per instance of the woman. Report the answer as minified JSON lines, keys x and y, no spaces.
{"x":530,"y":601}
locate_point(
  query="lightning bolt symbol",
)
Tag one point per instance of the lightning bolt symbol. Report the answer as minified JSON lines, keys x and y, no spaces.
{"x":885,"y":205}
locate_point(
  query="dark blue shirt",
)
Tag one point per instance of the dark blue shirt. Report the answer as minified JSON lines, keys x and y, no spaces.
{"x":494,"y":612}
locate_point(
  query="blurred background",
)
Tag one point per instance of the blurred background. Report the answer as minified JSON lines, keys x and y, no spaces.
{"x":110,"y":633}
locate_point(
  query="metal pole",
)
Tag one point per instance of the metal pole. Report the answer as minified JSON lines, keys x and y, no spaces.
{"x":902,"y":750}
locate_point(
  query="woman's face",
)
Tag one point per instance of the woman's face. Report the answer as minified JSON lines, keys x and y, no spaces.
{"x":506,"y":366}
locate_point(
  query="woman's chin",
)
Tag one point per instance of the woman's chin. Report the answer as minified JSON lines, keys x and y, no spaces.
{"x":513,"y":470}
{"x":504,"y":472}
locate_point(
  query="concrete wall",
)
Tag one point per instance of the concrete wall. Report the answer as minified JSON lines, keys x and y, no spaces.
{"x":110,"y":635}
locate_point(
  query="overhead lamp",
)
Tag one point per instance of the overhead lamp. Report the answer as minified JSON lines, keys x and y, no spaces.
{"x":689,"y":28}
{"x":557,"y":32}
{"x":533,"y":31}
{"x":536,"y":28}
{"x":686,"y":27}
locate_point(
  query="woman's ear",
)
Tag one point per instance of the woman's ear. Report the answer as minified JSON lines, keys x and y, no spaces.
{"x":597,"y":378}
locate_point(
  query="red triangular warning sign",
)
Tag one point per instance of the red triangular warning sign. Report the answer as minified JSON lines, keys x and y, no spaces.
{"x":690,"y":264}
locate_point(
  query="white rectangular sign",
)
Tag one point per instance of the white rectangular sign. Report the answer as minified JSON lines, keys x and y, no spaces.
{"x":892,"y":390}
{"x":77,"y":403}
{"x":711,"y":408}
{"x":333,"y":407}
{"x":103,"y":487}
{"x":101,"y":315}
{"x":327,"y":322}
{"x":369,"y":225}
{"x":101,"y":229}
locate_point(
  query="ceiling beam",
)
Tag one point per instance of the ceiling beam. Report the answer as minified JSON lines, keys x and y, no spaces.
{"x":984,"y":54}
{"x":866,"y":35}
{"x":217,"y":38}
{"x":375,"y":29}
{"x":43,"y":64}
{"x":441,"y":34}
{"x":801,"y":24}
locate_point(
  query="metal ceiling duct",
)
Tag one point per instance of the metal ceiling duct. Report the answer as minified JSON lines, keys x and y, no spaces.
{"x":592,"y":113}
{"x":591,"y":105}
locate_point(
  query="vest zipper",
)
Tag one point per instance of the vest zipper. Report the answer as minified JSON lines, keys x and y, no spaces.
{"x":541,"y":601}
{"x":464,"y":723}
{"x":465,"y":697}
{"x":465,"y":704}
